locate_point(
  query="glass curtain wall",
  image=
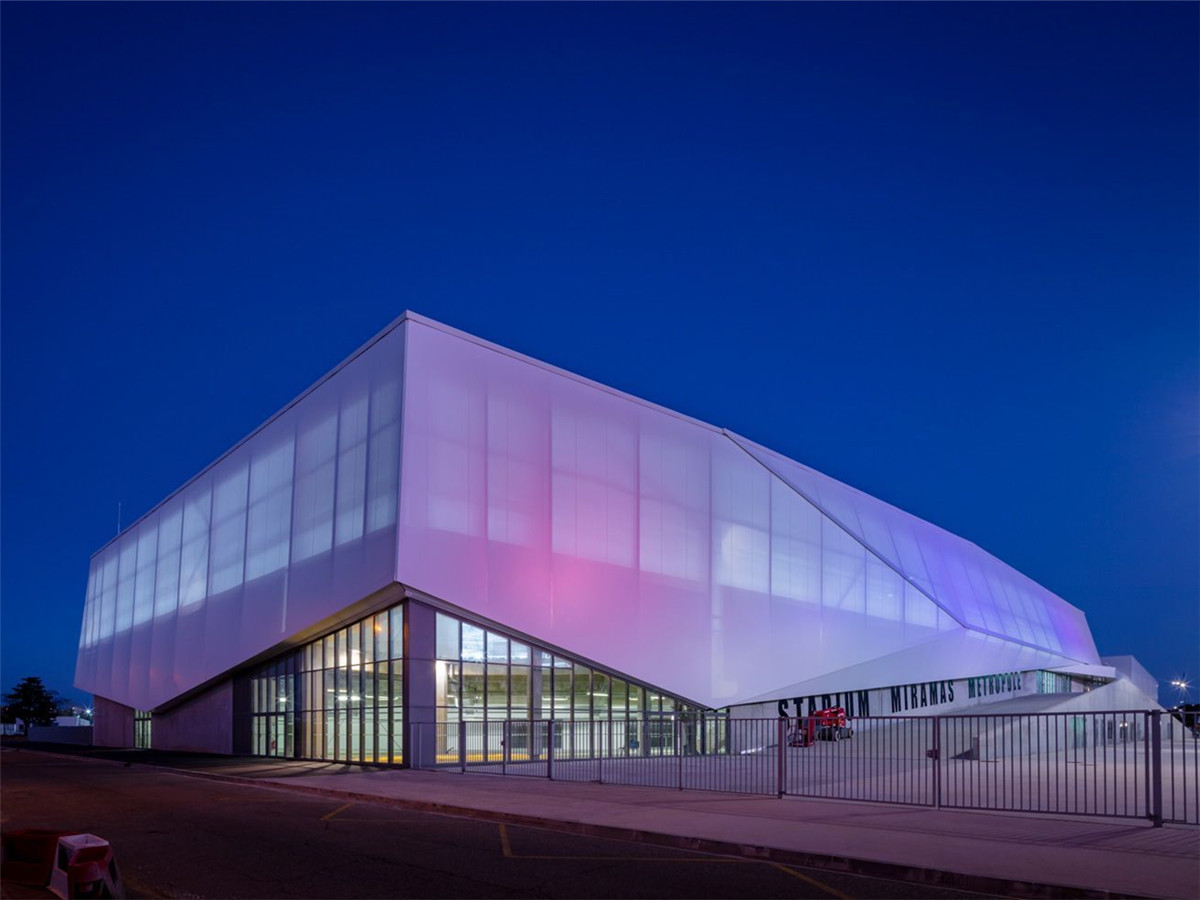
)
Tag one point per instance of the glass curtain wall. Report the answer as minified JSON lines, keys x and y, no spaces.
{"x":485,"y":676}
{"x":273,"y":697}
{"x":339,"y":698}
{"x":141,"y":729}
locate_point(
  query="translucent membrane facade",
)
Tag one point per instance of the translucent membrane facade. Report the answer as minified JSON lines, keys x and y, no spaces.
{"x":677,"y":553}
{"x":577,"y":528}
{"x":293,"y":524}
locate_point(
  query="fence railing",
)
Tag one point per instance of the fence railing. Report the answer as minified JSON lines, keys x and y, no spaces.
{"x":1125,"y":764}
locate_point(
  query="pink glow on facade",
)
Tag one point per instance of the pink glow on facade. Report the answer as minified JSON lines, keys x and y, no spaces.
{"x":655,"y":545}
{"x":672,"y":551}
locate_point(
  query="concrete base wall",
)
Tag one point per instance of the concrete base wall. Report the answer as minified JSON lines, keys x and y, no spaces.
{"x":112,"y":723}
{"x":202,"y":725}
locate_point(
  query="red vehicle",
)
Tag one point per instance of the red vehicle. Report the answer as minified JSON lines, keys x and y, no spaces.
{"x":830,"y":724}
{"x":823,"y":725}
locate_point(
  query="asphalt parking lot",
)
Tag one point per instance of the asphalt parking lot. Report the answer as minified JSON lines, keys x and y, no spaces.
{"x":179,"y":836}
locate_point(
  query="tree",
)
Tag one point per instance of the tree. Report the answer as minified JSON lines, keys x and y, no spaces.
{"x":32,"y":702}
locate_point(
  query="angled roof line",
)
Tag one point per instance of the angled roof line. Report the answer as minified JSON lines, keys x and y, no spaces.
{"x":840,"y":524}
{"x":555,"y":370}
{"x":392,"y":326}
{"x":737,"y":441}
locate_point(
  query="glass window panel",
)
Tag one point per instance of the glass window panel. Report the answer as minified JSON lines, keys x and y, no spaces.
{"x":368,"y":744}
{"x":520,"y":653}
{"x":472,"y":643}
{"x":447,"y":637}
{"x":368,"y":684}
{"x":397,"y":728}
{"x":379,"y":630}
{"x":367,"y":640}
{"x":600,"y":689}
{"x":519,"y":686}
{"x":634,"y":701}
{"x":583,"y":685}
{"x":619,"y":699}
{"x":382,"y":685}
{"x":541,"y":696}
{"x":497,"y":648}
{"x":562,"y":693}
{"x":396,"y":629}
{"x":449,"y":680}
{"x":497,"y":689}
{"x":353,"y":646}
{"x":472,"y":686}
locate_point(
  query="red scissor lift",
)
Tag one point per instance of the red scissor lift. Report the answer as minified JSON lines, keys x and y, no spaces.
{"x":823,"y":725}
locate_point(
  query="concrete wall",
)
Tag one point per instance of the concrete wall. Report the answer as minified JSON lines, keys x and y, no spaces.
{"x":1135,"y":672}
{"x":112,"y":723}
{"x":62,"y":734}
{"x":202,"y":725}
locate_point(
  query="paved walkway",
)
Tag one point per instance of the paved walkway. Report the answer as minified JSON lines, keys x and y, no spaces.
{"x":996,"y":853}
{"x":1000,"y":853}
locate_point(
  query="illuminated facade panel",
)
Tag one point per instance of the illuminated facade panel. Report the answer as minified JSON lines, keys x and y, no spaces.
{"x":552,"y":512}
{"x":291,"y":525}
{"x":671,"y":550}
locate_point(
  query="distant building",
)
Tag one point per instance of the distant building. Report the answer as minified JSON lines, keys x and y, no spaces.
{"x":442,"y":530}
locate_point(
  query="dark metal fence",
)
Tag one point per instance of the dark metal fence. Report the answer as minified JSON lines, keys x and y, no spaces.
{"x":1125,"y":764}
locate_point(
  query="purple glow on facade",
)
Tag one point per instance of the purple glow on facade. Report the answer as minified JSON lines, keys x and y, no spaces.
{"x":663,"y":548}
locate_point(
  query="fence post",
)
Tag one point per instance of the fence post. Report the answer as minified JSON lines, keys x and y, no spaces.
{"x":1146,"y":740}
{"x":505,"y":735}
{"x":1156,"y":816}
{"x":937,"y":762}
{"x":462,"y":746}
{"x":549,"y":750}
{"x":678,"y":752}
{"x":780,"y":732}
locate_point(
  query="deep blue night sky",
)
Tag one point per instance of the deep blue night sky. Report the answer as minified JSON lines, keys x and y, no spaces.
{"x":944,"y":253}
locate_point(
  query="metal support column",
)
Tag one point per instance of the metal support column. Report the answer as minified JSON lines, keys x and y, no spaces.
{"x":462,"y":746}
{"x":937,"y":762}
{"x":678,"y":753}
{"x":780,"y":744}
{"x":1156,"y":797}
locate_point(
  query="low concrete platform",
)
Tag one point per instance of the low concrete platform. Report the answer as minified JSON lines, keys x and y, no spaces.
{"x":996,"y":853}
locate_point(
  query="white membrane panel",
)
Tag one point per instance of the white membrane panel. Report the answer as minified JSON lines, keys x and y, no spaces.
{"x":665,"y":548}
{"x":292,"y":525}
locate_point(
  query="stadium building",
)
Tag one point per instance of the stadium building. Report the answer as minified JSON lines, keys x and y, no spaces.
{"x":442,"y":530}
